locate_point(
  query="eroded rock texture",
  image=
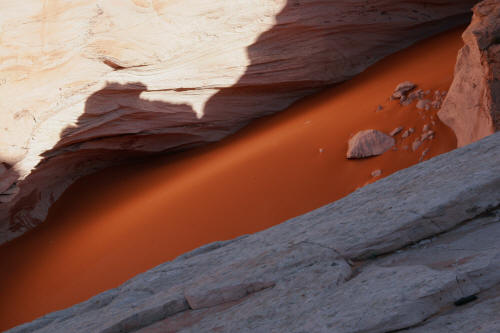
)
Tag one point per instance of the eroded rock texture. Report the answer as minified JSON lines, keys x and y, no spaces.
{"x":472,"y":108}
{"x":87,"y":83}
{"x":399,"y":253}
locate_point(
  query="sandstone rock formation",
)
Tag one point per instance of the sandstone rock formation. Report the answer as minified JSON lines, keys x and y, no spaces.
{"x":86,"y":83}
{"x":472,"y":106}
{"x":397,"y":255}
{"x":369,"y":143}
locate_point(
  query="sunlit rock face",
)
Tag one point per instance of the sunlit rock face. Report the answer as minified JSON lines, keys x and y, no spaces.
{"x":472,"y":108}
{"x":84,"y":84}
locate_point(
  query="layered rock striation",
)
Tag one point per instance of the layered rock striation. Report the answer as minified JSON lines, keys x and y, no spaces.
{"x":415,"y":252}
{"x":85,"y":84}
{"x":472,"y":108}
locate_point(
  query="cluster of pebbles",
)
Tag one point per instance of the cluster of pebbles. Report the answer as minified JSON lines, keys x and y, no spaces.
{"x":407,"y":93}
{"x":371,"y":142}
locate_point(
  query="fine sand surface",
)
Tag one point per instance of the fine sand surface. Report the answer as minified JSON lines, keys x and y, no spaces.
{"x":122,"y":221}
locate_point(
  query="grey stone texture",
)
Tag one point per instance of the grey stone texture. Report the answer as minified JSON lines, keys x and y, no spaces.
{"x":396,"y":255}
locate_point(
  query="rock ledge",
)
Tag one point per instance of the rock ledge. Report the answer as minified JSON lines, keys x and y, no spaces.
{"x":398,"y":254}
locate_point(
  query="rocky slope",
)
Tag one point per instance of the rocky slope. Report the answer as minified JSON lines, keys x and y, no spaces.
{"x":87,"y":83}
{"x":472,"y":107}
{"x":414,"y":252}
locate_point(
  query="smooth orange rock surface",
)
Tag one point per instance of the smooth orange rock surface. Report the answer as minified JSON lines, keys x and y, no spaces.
{"x":122,"y":221}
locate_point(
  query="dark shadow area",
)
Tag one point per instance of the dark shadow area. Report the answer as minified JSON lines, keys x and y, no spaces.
{"x":304,"y":52}
{"x":117,"y":125}
{"x":309,"y":49}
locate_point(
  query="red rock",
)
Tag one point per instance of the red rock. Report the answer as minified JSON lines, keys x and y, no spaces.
{"x":472,"y":105}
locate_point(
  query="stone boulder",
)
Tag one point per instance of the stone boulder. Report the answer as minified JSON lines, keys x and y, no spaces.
{"x":369,"y":143}
{"x":472,"y":105}
{"x":85,"y":84}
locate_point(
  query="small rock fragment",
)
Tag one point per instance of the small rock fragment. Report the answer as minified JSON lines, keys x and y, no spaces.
{"x":415,"y":94}
{"x":436,"y":104}
{"x":416,"y":144}
{"x":402,"y":89}
{"x":396,"y":131}
{"x":379,"y":108}
{"x":405,"y":101}
{"x":421,"y":104}
{"x":411,"y":130}
{"x":369,"y":143}
{"x":426,"y":128}
{"x":424,"y":153}
{"x":427,"y":135}
{"x":376,"y":173}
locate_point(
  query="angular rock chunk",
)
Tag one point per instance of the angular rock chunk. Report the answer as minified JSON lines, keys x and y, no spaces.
{"x":369,"y":143}
{"x":416,"y":144}
{"x":403,"y":89}
{"x":396,"y":130}
{"x":427,"y":135}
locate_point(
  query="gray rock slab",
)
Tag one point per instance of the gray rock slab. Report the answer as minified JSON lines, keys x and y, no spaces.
{"x":428,"y":233}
